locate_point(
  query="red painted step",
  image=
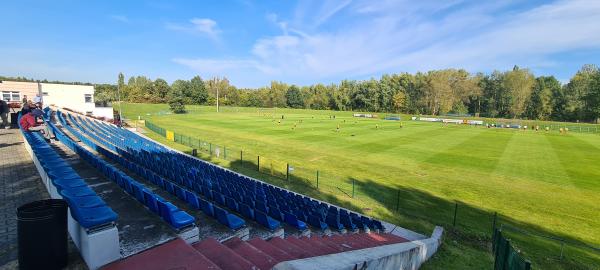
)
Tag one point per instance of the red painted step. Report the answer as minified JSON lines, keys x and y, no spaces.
{"x":250,"y":253}
{"x":311,"y":249}
{"x":319,"y":244}
{"x":176,"y":254}
{"x":355,"y":241}
{"x":337,"y":242}
{"x":222,"y":255}
{"x":289,"y":248}
{"x":268,"y":248}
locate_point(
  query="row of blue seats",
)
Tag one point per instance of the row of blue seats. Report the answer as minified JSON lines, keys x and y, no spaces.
{"x":175,"y":217}
{"x":316,"y":214}
{"x":224,"y":217}
{"x":86,"y":207}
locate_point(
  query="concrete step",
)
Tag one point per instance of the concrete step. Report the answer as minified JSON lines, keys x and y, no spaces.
{"x":251,"y":253}
{"x":276,"y":253}
{"x":223,"y":256}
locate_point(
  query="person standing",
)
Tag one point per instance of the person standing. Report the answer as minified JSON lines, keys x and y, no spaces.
{"x":24,"y":101}
{"x":4,"y":114}
{"x":37,"y":99}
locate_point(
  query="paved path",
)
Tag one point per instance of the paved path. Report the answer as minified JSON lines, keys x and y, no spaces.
{"x":20,"y":183}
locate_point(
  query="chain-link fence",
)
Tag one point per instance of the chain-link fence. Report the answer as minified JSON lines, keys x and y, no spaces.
{"x":365,"y":194}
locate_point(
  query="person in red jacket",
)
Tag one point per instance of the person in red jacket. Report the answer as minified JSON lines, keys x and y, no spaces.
{"x":29,"y":123}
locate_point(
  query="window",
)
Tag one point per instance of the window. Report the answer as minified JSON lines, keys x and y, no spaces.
{"x":11,"y":96}
{"x":88,"y":98}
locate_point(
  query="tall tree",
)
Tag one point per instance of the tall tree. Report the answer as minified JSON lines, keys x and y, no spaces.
{"x":198,"y":92}
{"x":519,"y":84}
{"x":294,"y":97}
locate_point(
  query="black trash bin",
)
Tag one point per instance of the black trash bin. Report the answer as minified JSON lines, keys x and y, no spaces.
{"x":42,"y":234}
{"x":14,"y":122}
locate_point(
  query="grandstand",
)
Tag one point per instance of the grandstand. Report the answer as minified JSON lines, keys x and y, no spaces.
{"x":197,"y":215}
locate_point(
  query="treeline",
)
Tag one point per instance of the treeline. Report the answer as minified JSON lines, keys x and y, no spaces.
{"x":25,"y":79}
{"x":516,"y":93}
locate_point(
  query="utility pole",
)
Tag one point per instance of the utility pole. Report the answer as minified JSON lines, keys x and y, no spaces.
{"x":217,"y":87}
{"x":120,"y":108}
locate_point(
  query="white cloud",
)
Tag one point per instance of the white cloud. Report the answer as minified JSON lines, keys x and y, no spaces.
{"x":394,"y":36}
{"x":201,"y":26}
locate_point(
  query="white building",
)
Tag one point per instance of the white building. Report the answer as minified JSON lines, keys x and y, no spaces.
{"x":79,"y":98}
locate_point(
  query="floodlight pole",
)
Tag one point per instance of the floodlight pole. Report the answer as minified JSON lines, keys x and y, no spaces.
{"x":120,"y":106}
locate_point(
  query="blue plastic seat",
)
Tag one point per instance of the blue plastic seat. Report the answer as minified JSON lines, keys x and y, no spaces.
{"x":219,"y":198}
{"x":61,"y":184}
{"x":246,"y":210}
{"x":231,"y":203}
{"x":138,"y":193}
{"x":261,"y":206}
{"x":192,"y":199}
{"x":82,"y":201}
{"x":179,"y":192}
{"x":347,"y":222}
{"x":265,"y":220}
{"x":230,"y":220}
{"x":276,"y":214}
{"x":170,"y":187}
{"x":316,"y":222}
{"x":80,"y":191}
{"x":293,"y":221}
{"x":151,"y":201}
{"x":172,"y":215}
{"x":333,"y":221}
{"x":93,"y":217}
{"x":207,"y":207}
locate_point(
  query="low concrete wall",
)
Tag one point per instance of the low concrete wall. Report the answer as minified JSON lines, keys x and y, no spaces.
{"x":409,"y":255}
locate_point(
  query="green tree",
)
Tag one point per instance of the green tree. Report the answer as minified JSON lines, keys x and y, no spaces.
{"x":294,"y":97}
{"x":177,"y":101}
{"x":161,"y":90}
{"x":519,"y":84}
{"x":182,"y":88}
{"x":399,"y":101}
{"x":198,"y":92}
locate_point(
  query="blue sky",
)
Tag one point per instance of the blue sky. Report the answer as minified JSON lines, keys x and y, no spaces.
{"x":300,"y":42}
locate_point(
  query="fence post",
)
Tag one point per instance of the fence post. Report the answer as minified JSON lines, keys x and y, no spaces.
{"x":242,"y":157}
{"x":494,"y":222}
{"x":210,"y":149}
{"x":258,"y":163}
{"x":287,"y":173}
{"x":398,"y":201}
{"x":562,"y":248}
{"x":224,"y":152}
{"x":353,"y":187}
{"x":455,"y":210}
{"x":317,"y":179}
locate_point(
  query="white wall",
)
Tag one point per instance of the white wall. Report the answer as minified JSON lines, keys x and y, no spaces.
{"x":69,"y":96}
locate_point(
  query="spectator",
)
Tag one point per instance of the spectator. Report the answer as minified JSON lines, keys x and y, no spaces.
{"x":4,"y":114}
{"x":24,"y":101}
{"x":27,"y":107}
{"x":37,"y":99}
{"x":29,"y":123}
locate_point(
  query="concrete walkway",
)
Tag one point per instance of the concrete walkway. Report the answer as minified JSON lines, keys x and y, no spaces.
{"x":20,"y":183}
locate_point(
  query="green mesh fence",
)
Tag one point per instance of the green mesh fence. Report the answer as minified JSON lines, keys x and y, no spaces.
{"x":505,"y":255}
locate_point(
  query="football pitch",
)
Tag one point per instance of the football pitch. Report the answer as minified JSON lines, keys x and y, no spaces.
{"x":416,"y":174}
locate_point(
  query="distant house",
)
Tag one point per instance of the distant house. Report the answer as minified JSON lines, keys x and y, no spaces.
{"x":78,"y":98}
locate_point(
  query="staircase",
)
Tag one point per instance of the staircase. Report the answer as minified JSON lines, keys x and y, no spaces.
{"x":256,"y":253}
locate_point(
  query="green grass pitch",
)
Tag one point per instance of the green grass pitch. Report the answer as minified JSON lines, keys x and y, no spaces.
{"x":544,"y":182}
